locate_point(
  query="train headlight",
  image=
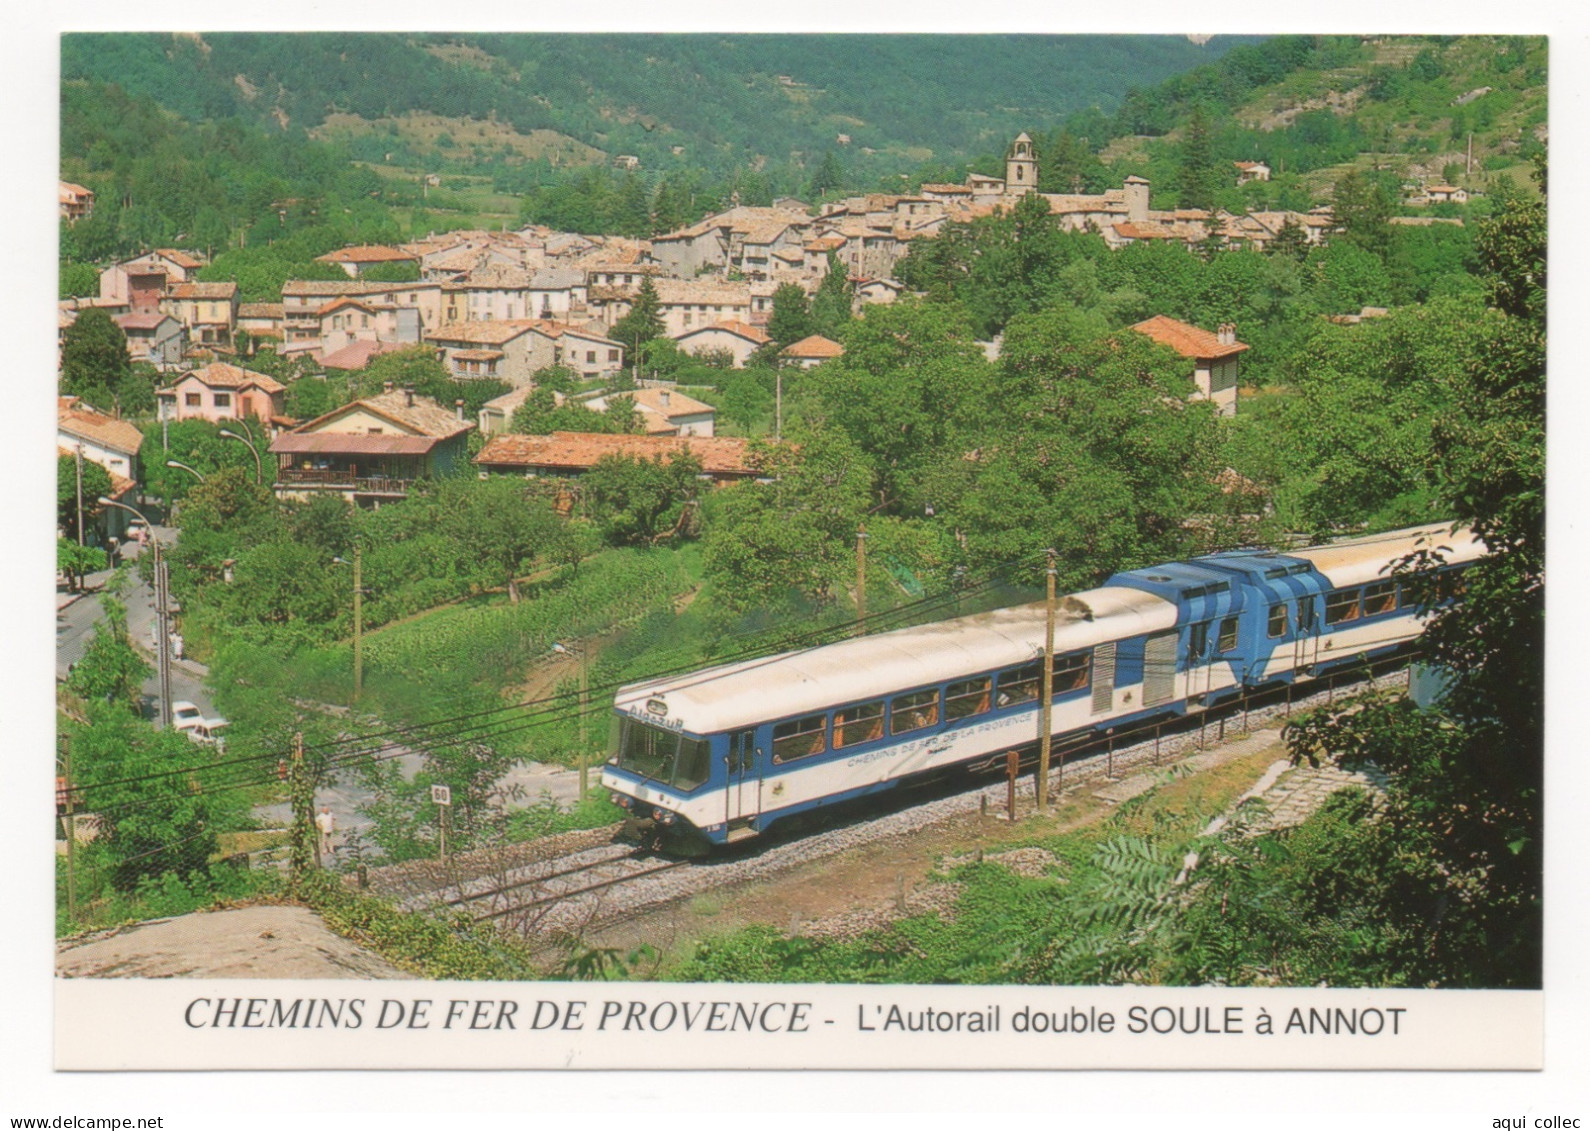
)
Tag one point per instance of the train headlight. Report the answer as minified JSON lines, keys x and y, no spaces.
{"x":665,"y":817}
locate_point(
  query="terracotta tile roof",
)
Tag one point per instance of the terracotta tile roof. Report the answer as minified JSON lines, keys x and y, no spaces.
{"x":483,"y":333}
{"x":477,"y":355}
{"x":219,"y":375}
{"x":356,"y":355}
{"x":351,"y":443}
{"x":731,"y":326}
{"x":203,"y":291}
{"x":344,"y":303}
{"x":815,"y":346}
{"x":672,"y":292}
{"x":1189,"y":341}
{"x":368,"y":253}
{"x":424,"y":416}
{"x":678,"y":404}
{"x":68,"y":188}
{"x":77,"y":419}
{"x":261,"y":310}
{"x":314,"y":287}
{"x":142,"y":320}
{"x":957,"y":190}
{"x":180,"y":258}
{"x":119,"y":484}
{"x":1133,"y":231}
{"x":580,"y":451}
{"x":824,"y":243}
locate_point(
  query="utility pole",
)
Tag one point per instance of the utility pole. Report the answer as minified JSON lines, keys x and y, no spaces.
{"x":358,"y":621}
{"x":778,"y":403}
{"x":163,"y":629}
{"x":71,"y":831}
{"x":1046,"y":704}
{"x":79,"y":453}
{"x":302,"y":838}
{"x":585,"y":700}
{"x":861,"y":580}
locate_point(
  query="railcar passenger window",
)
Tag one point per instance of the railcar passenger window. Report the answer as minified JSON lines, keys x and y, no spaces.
{"x":799,"y":738}
{"x":862,"y":723}
{"x":1228,"y":635}
{"x":1341,"y":607}
{"x":695,"y":763}
{"x":1381,"y":597}
{"x":1071,"y":672}
{"x":914,"y":711}
{"x":1019,"y":685}
{"x":1277,"y":626}
{"x":967,"y":698}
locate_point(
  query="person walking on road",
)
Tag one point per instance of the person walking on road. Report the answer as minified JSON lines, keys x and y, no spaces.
{"x":326,"y":822}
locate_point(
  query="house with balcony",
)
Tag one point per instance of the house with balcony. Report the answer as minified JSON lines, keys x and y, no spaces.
{"x":77,"y":202}
{"x":372,"y":450}
{"x":221,"y":392}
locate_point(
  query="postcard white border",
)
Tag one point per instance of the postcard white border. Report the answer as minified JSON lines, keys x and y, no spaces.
{"x":245,"y":1100}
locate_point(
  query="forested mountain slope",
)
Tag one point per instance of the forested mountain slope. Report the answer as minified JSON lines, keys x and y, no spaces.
{"x":707,"y":102}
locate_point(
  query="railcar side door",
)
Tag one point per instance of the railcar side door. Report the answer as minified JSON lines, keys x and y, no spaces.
{"x":1305,"y":649}
{"x":742,"y":801}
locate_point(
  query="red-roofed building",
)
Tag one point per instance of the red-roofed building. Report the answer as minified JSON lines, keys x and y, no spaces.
{"x":739,"y":339}
{"x":102,"y":439}
{"x":77,"y":202}
{"x":723,"y":459}
{"x":372,"y":450}
{"x":356,"y":355}
{"x":355,"y":261}
{"x":1214,"y":357}
{"x":813,"y":351}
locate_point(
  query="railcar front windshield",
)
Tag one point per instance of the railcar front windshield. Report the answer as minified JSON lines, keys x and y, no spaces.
{"x":666,"y":757}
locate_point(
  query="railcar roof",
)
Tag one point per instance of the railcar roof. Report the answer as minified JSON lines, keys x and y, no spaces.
{"x":795,"y":683}
{"x":1357,"y":561}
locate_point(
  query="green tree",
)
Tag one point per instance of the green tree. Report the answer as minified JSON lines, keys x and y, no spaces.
{"x":500,"y":525}
{"x":829,"y":175}
{"x":1290,"y":241}
{"x":77,"y":280}
{"x":635,"y":500}
{"x":111,"y":673}
{"x":1199,"y":178}
{"x":791,"y":319}
{"x":96,"y":482}
{"x":643,"y":322}
{"x":831,"y":305}
{"x":73,"y":561}
{"x":1362,"y":205}
{"x":94,"y":358}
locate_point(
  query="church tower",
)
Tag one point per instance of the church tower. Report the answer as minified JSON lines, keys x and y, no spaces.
{"x":1021,"y":167}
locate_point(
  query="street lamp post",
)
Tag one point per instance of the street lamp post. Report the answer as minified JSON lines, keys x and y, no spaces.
{"x":585,"y":684}
{"x":162,"y":614}
{"x":184,"y":467}
{"x":259,"y":465}
{"x":358,"y":617}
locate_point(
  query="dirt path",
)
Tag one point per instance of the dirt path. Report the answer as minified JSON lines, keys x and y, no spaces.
{"x":247,"y":942}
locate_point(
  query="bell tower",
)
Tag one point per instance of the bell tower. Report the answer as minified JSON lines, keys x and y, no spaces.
{"x":1021,"y":167}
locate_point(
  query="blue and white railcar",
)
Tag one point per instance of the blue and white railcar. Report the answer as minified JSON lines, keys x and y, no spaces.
{"x":722,"y":753}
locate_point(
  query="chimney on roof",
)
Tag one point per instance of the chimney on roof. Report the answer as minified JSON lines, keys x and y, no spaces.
{"x":387,"y":386}
{"x":408,"y":395}
{"x":662,"y":397}
{"x":458,"y":407}
{"x":1227,"y":334}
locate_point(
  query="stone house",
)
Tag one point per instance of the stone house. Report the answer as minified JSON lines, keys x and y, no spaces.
{"x":1251,"y":171}
{"x":664,"y":412}
{"x":207,"y":311}
{"x":688,"y":304}
{"x":302,"y":300}
{"x":347,"y":320}
{"x":154,"y":337}
{"x":142,"y":281}
{"x":808,"y":353}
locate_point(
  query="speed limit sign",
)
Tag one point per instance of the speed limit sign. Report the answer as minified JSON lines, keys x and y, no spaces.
{"x":441,"y":794}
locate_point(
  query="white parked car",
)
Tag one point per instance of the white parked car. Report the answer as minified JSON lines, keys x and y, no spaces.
{"x":210,"y":732}
{"x":185,"y":715}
